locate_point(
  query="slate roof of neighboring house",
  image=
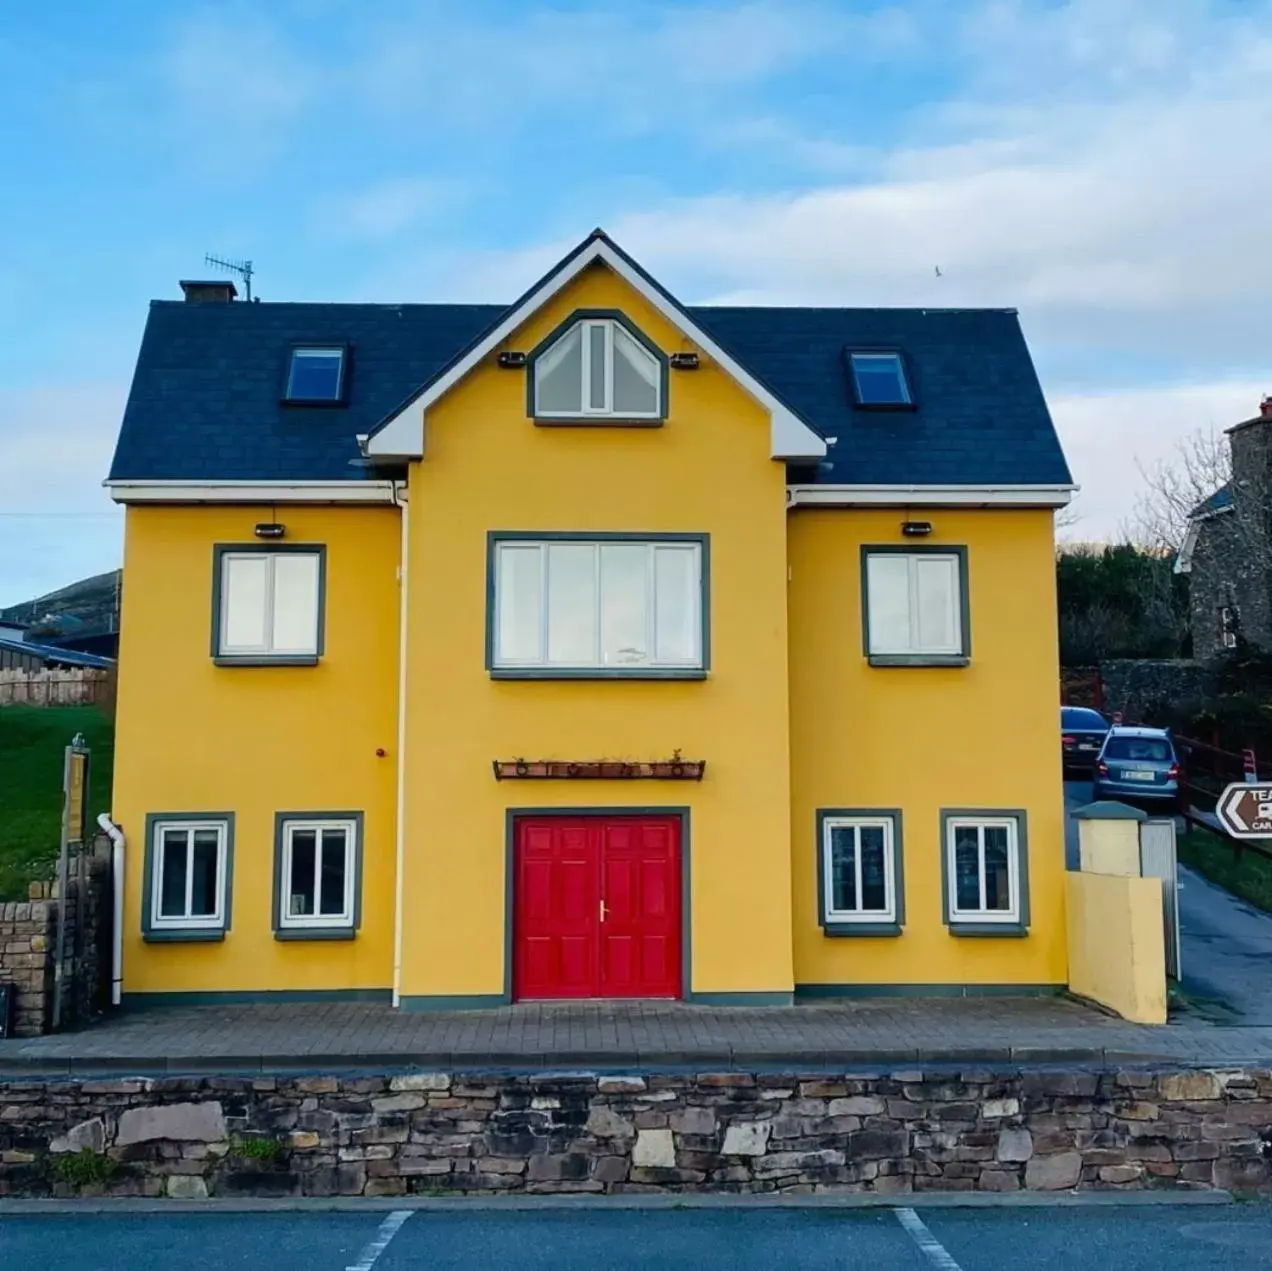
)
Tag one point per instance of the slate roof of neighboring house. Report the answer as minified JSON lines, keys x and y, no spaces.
{"x":1220,"y":501}
{"x":205,"y":400}
{"x":65,"y":657}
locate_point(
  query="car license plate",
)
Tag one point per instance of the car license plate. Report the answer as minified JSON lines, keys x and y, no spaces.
{"x":1087,"y":745}
{"x":1140,"y":776}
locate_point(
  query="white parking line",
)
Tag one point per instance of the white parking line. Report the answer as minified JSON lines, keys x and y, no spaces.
{"x":934,"y":1250}
{"x":380,"y":1241}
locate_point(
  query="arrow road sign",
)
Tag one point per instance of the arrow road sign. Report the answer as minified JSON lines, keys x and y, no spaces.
{"x":1246,"y":811}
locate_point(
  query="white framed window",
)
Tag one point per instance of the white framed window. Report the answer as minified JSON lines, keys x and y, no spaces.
{"x":268,"y":603}
{"x":984,"y":870}
{"x":915,"y":606}
{"x":597,"y":368}
{"x":317,"y":873}
{"x":609,"y":605}
{"x":860,"y":882}
{"x":188,"y":886}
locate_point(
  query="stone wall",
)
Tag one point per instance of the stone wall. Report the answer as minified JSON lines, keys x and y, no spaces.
{"x":1141,"y":687}
{"x":732,"y":1131}
{"x":28,"y":947}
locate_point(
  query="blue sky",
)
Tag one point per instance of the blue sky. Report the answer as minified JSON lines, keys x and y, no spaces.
{"x":1099,"y":164}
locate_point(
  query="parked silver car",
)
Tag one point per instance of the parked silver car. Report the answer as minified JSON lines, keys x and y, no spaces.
{"x":1138,"y":764}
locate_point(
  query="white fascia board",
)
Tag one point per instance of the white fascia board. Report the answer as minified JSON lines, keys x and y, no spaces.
{"x":250,"y":491}
{"x":402,"y":437}
{"x":979,"y":496}
{"x":1183,"y":562}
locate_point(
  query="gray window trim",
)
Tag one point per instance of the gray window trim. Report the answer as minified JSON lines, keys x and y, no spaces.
{"x":599,"y":421}
{"x":345,"y":931}
{"x":861,"y":926}
{"x":149,"y":932}
{"x":495,"y":537}
{"x":964,"y":600}
{"x":219,"y":551}
{"x":960,"y":927}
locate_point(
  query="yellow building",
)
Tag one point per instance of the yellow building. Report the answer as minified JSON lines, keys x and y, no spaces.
{"x":592,"y":646}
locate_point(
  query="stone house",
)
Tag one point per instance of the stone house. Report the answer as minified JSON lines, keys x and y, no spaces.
{"x":1227,"y":551}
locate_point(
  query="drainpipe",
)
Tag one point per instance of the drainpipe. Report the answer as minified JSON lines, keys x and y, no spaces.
{"x":117,"y":845}
{"x":400,"y":498}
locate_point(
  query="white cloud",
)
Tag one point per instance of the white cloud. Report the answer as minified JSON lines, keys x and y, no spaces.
{"x":1109,"y":437}
{"x":56,"y":522}
{"x":385,"y":209}
{"x":235,"y":86}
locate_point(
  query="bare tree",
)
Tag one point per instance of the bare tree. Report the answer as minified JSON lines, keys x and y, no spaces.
{"x":1175,"y":487}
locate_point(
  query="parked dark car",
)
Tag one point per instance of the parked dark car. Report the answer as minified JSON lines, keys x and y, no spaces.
{"x":1082,"y":733}
{"x":1138,"y":765}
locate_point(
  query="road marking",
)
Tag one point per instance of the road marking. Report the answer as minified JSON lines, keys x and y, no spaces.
{"x":931,"y":1246}
{"x":380,"y":1241}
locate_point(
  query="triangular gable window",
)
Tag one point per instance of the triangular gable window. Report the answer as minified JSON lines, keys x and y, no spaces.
{"x":598,"y":367}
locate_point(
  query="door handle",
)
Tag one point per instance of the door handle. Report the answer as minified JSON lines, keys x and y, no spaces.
{"x":604,"y":910}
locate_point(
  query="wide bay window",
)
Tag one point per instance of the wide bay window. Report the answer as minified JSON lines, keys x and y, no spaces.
{"x":859,"y":883}
{"x":597,"y":367}
{"x":187,"y":883}
{"x":598,"y":605}
{"x":268,"y":604}
{"x":916,"y":606}
{"x":317,"y":875}
{"x":985,"y":873}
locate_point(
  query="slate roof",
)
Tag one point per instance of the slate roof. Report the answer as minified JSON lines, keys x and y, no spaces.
{"x":1220,"y":501}
{"x":205,"y":400}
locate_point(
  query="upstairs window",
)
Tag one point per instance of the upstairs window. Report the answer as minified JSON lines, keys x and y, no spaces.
{"x":878,"y":379}
{"x":315,"y":375}
{"x":579,"y":606}
{"x":597,"y":368}
{"x":916,"y":606}
{"x":268,"y":605}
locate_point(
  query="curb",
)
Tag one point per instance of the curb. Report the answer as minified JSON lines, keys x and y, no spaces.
{"x":594,"y":1061}
{"x":680,"y":1200}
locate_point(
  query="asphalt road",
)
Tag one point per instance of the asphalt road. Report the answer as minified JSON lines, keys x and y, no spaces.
{"x":1226,"y":943}
{"x":1124,"y":1238}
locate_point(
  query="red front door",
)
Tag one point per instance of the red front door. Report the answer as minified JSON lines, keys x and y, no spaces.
{"x":596,"y":908}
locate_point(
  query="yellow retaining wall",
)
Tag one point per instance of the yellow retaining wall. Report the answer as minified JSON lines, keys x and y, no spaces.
{"x":1117,"y":953}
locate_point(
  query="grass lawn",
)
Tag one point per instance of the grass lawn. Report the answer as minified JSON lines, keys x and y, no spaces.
{"x":32,"y":741}
{"x":1209,"y":854}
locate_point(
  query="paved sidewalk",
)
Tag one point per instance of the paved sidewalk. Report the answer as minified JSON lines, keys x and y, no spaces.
{"x":606,"y":1035}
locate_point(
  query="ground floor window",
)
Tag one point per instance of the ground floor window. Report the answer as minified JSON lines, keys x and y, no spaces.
{"x":985,"y":872}
{"x":317,"y":875}
{"x":859,"y":875}
{"x":187,"y":884}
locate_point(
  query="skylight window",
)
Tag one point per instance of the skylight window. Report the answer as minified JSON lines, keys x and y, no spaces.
{"x":878,"y":379}
{"x":316,"y":374}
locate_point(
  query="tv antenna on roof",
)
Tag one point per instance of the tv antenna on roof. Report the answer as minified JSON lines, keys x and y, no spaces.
{"x":241,"y":267}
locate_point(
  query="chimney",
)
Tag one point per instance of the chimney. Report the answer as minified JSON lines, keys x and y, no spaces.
{"x":218,"y":291}
{"x":1265,"y":407}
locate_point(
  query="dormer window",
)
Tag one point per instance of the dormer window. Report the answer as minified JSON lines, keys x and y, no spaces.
{"x":316,"y":375}
{"x":878,"y":379}
{"x":597,"y":368}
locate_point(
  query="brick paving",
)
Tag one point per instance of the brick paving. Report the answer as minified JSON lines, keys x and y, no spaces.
{"x":608,"y":1035}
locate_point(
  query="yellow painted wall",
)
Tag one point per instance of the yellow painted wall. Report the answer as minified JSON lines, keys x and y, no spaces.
{"x":707,"y":470}
{"x":1117,"y":953}
{"x":926,"y":738}
{"x":194,"y":737}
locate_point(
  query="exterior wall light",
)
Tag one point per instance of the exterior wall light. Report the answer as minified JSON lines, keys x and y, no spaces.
{"x":916,"y":529}
{"x":270,"y":529}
